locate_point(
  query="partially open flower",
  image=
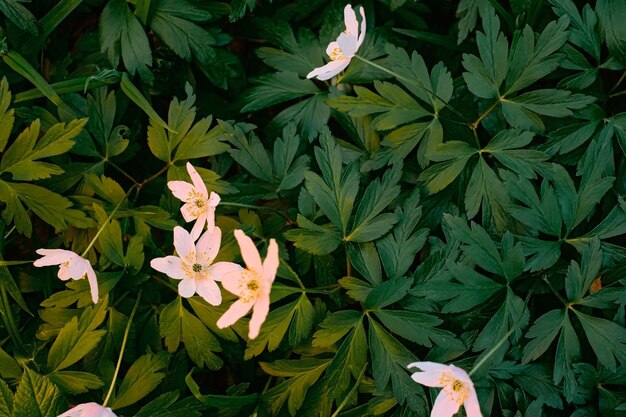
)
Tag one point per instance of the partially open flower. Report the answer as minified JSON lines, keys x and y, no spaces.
{"x":458,"y":388}
{"x":198,"y":205}
{"x":252,"y":285}
{"x":343,"y":49}
{"x":71,"y":266}
{"x":194,"y":265}
{"x":89,"y":410}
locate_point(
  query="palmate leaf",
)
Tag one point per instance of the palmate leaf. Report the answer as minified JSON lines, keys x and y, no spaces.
{"x":121,"y":35}
{"x":177,"y":324}
{"x":36,"y":396}
{"x":611,"y":13}
{"x":469,"y":10}
{"x":143,"y":376}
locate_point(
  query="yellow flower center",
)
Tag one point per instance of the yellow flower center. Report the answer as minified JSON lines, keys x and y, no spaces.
{"x":198,"y":203}
{"x":454,"y":388}
{"x":337,"y":54}
{"x":249,"y":285}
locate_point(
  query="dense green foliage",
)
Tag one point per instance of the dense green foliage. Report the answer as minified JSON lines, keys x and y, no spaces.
{"x":456,"y":195}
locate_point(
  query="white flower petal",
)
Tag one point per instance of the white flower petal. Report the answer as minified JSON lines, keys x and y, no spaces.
{"x":183,"y":243}
{"x":89,"y":410}
{"x":231,"y":280}
{"x":219,"y":270}
{"x":189,"y":211}
{"x":170,"y":265}
{"x":472,"y":407}
{"x":271,"y":262}
{"x":460,"y":374}
{"x":330,"y":49}
{"x":187,"y":287}
{"x":214,"y":199}
{"x":329,"y":70}
{"x":431,"y":367}
{"x":361,"y":37}
{"x":208,"y":289}
{"x":430,"y":379}
{"x":444,"y":406}
{"x":53,"y":257}
{"x":208,"y":245}
{"x":259,"y":314}
{"x":78,"y":268}
{"x":182,"y":190}
{"x":236,"y":311}
{"x":93,"y":284}
{"x":198,"y":226}
{"x":64,"y":272}
{"x":349,"y":18}
{"x":249,"y":252}
{"x":348,"y":44}
{"x":197,"y":180}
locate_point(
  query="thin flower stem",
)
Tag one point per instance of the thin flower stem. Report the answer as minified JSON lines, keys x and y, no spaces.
{"x":617,"y":84}
{"x":126,"y":174}
{"x":106,"y":223}
{"x":416,"y":82}
{"x":11,"y":327}
{"x":119,"y":359}
{"x":9,"y":232}
{"x":155,"y":176}
{"x":503,"y":340}
{"x":250,"y":206}
{"x":349,"y":394}
{"x":620,"y":93}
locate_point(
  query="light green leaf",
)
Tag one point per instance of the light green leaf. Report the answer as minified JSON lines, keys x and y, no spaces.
{"x":144,"y":375}
{"x":36,"y":396}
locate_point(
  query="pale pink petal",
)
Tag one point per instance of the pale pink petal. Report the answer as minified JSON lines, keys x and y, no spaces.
{"x":209,"y":218}
{"x":208,"y":245}
{"x":187,"y":288}
{"x":93,"y":284}
{"x":349,"y":18}
{"x":219,"y":270}
{"x":182,"y":190}
{"x":331,"y":48}
{"x":197,"y":180}
{"x":444,"y":406}
{"x":259,"y":314}
{"x":472,"y":407}
{"x":53,"y":257}
{"x":170,"y":265}
{"x":363,"y":28}
{"x":460,"y":374}
{"x":189,"y":211}
{"x":78,"y":268}
{"x":430,"y":379}
{"x":236,"y":311}
{"x":214,"y":199}
{"x":208,"y":289}
{"x":431,"y":367}
{"x":329,"y":70}
{"x":348,"y":44}
{"x":198,"y":226}
{"x":231,"y":281}
{"x":89,"y":410}
{"x":64,"y":272}
{"x":183,"y":243}
{"x":249,"y":252}
{"x":270,"y":264}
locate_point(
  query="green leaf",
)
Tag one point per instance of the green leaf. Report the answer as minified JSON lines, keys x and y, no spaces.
{"x":56,"y":15}
{"x":335,"y":326}
{"x":75,"y":382}
{"x":607,"y":339}
{"x":219,"y":401}
{"x":387,"y":293}
{"x":611,"y":14}
{"x":144,"y":375}
{"x":315,"y":239}
{"x":295,"y":317}
{"x":6,"y":400}
{"x":543,"y":332}
{"x":121,"y":34}
{"x":35,"y":396}
{"x":398,"y":248}
{"x":277,"y":88}
{"x":468,"y":11}
{"x":19,"y":15}
{"x":301,"y":374}
{"x":389,"y":361}
{"x":7,"y":115}
{"x":582,"y":31}
{"x":9,"y":368}
{"x":80,"y":293}
{"x":165,"y":406}
{"x":452,"y":157}
{"x":419,"y":328}
{"x":110,"y":239}
{"x":136,"y":97}
{"x":176,"y":324}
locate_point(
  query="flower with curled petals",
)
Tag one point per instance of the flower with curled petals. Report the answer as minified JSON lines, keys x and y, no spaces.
{"x":71,"y":266}
{"x":343,"y":49}
{"x":252,"y":285}
{"x":89,"y":410}
{"x":458,"y":388}
{"x":194,"y":265}
{"x":199,"y":205}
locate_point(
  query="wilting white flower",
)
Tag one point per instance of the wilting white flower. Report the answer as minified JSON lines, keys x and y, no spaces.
{"x":89,"y":410}
{"x":71,"y":266}
{"x":194,"y":265}
{"x":343,"y":49}
{"x":252,"y":285}
{"x":458,"y":388}
{"x":198,"y":204}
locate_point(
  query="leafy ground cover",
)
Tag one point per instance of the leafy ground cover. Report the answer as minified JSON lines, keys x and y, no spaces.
{"x":404,"y":194}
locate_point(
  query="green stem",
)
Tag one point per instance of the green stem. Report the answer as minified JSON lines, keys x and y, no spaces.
{"x":416,"y":82}
{"x":503,"y":340}
{"x":106,"y":223}
{"x":119,"y":359}
{"x":349,"y":394}
{"x":621,"y":93}
{"x":127,"y":175}
{"x":486,"y":113}
{"x":8,"y":318}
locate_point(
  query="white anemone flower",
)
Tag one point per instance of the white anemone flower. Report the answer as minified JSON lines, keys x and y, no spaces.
{"x":194,"y":265}
{"x":252,"y":285}
{"x":199,"y":205}
{"x":343,"y":49}
{"x":458,"y":388}
{"x":89,"y":410}
{"x":71,"y":266}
